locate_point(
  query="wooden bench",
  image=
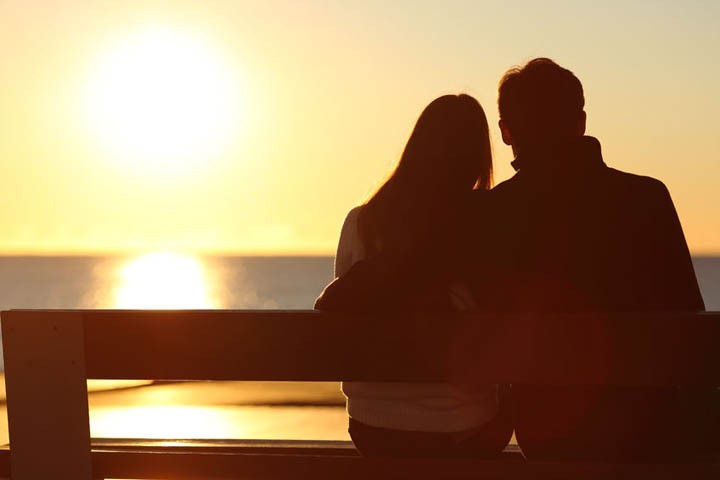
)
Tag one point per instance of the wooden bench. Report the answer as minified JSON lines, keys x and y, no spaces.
{"x":49,"y":354}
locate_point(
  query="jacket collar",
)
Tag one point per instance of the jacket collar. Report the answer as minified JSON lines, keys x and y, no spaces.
{"x":576,"y":153}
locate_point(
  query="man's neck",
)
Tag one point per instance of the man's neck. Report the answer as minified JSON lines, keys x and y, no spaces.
{"x":563,"y":152}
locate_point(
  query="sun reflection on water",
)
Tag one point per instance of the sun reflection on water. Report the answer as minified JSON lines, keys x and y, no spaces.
{"x":162,"y":280}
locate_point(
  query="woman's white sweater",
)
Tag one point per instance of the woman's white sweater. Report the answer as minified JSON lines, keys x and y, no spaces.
{"x":425,"y":407}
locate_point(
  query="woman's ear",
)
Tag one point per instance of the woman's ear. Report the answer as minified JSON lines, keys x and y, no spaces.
{"x":507,"y":139}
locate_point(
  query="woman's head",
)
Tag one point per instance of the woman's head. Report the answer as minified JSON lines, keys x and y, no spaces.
{"x":447,"y":155}
{"x":449,"y":146}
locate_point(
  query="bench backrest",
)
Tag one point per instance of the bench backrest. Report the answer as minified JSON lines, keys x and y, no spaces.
{"x":641,"y":349}
{"x":50,"y":353}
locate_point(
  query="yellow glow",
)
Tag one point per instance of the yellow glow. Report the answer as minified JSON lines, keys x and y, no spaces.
{"x":162,"y":97}
{"x":164,"y":280}
{"x":165,"y":422}
{"x":176,"y":422}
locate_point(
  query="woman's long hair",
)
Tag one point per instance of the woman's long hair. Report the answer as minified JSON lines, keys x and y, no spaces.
{"x":447,"y":155}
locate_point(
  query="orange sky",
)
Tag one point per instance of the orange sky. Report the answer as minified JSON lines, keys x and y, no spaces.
{"x":262,"y":123}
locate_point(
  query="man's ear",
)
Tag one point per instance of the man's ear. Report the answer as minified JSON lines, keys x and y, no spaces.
{"x":507,"y":139}
{"x":582,"y":124}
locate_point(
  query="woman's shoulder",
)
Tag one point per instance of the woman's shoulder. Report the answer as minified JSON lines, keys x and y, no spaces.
{"x":353,"y":213}
{"x":351,"y":219}
{"x":350,"y":248}
{"x":350,"y":225}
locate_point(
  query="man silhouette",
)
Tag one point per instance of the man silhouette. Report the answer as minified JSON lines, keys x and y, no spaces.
{"x":571,"y":234}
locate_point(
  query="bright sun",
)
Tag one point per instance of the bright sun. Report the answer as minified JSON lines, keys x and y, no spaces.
{"x":163,"y":97}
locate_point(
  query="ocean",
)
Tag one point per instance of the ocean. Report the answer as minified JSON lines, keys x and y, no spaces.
{"x":169,"y":280}
{"x":162,"y":280}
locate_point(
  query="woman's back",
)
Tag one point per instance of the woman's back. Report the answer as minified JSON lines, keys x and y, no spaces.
{"x":429,"y":407}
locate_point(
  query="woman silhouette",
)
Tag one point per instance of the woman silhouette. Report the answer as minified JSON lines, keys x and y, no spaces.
{"x":413,"y":216}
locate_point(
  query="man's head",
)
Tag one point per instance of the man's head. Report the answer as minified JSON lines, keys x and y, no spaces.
{"x":540,"y":102}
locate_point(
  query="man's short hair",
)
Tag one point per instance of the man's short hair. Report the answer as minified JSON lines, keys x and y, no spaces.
{"x":540,"y":99}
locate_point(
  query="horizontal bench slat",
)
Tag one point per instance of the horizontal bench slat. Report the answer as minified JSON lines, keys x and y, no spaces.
{"x":114,"y":458}
{"x":622,"y":349}
{"x":264,"y":446}
{"x":633,"y":349}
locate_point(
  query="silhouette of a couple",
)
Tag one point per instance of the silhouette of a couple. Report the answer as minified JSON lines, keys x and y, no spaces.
{"x":565,"y":234}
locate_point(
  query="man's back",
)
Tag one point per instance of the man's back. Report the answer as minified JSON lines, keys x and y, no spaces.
{"x":567,"y":233}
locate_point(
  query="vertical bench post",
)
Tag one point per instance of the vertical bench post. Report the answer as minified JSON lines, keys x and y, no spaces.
{"x":46,"y":395}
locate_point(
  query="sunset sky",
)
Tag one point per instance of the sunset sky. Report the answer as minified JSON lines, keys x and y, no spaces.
{"x":254,"y":126}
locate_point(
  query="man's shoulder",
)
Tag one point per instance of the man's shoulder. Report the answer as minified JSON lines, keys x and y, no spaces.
{"x":506,"y":194}
{"x":505,"y":187}
{"x":613,"y":182}
{"x":480,"y":201}
{"x":612,"y":175}
{"x":637,"y":183}
{"x":635,"y":178}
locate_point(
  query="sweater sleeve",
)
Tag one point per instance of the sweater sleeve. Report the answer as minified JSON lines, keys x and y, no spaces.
{"x":676,"y":286}
{"x":349,"y":248}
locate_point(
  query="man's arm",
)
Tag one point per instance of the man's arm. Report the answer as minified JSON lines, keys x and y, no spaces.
{"x":378,"y":283}
{"x":675,"y":286}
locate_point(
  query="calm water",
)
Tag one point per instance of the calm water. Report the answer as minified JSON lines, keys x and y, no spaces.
{"x":165,"y":280}
{"x":162,"y":280}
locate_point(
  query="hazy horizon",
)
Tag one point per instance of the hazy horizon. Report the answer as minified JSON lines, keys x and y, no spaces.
{"x":137,"y":253}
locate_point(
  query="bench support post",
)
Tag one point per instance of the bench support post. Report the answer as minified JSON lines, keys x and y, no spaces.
{"x":47,"y":396}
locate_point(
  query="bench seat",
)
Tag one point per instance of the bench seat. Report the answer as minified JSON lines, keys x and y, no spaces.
{"x":292,"y":459}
